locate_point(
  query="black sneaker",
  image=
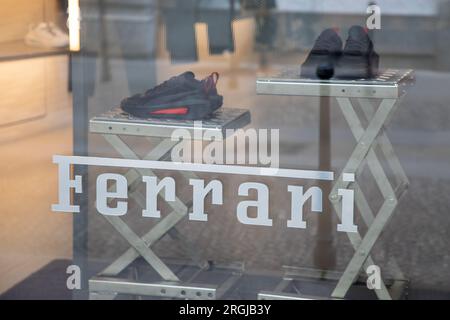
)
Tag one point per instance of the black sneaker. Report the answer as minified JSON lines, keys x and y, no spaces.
{"x":180,"y":97}
{"x":359,"y":60}
{"x":321,"y":61}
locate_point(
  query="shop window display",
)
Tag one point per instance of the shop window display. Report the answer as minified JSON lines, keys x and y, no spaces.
{"x":226,"y":149}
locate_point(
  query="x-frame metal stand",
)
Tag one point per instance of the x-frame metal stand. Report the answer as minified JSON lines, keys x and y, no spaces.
{"x":106,"y":285}
{"x":388,"y":88}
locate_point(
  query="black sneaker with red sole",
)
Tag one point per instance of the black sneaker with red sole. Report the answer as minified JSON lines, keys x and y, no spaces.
{"x":359,"y":59}
{"x":180,"y":97}
{"x":320,"y":62}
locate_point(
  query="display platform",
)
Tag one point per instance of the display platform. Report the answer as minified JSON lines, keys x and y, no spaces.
{"x":114,"y":126}
{"x":377,"y":98}
{"x":390,"y":83}
{"x":116,"y":121}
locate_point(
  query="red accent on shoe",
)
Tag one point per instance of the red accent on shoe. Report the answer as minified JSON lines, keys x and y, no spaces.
{"x":366,"y":30}
{"x":180,"y":111}
{"x":336,"y":29}
{"x":211,"y":81}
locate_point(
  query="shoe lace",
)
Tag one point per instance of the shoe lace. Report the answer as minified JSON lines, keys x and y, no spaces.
{"x":162,"y":86}
{"x":356,"y":46}
{"x":208,"y":84}
{"x":358,"y":42}
{"x":322,"y":46}
{"x":324,"y":43}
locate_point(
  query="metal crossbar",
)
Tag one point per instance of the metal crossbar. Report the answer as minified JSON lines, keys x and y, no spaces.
{"x":365,"y":150}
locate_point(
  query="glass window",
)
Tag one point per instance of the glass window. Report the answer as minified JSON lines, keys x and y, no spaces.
{"x":250,"y":149}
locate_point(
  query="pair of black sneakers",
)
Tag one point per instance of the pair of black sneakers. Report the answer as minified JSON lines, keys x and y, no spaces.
{"x":327,"y":59}
{"x":180,"y":97}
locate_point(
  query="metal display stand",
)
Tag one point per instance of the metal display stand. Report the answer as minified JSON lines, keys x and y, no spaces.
{"x":106,"y":285}
{"x":387,"y":89}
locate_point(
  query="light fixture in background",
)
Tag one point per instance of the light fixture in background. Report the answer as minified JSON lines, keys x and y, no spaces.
{"x":73,"y":22}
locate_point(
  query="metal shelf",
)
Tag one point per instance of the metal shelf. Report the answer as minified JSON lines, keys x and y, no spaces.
{"x":117,"y":121}
{"x":16,"y":50}
{"x":390,"y":83}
